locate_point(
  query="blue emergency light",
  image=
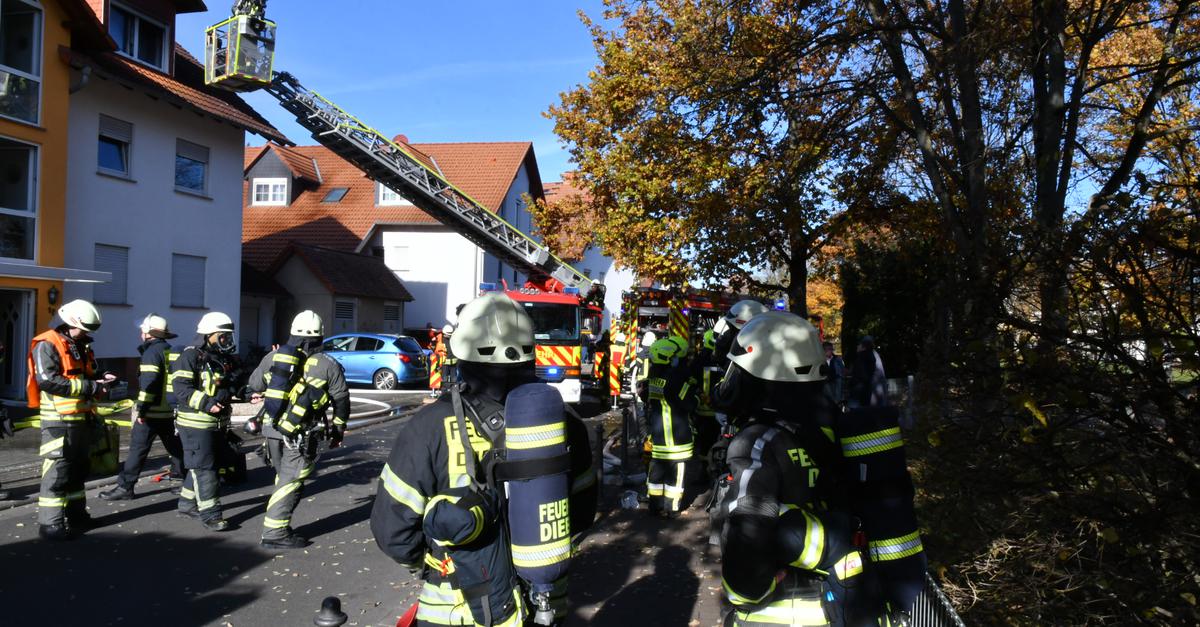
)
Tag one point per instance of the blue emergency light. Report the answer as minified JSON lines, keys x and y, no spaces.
{"x":487,"y":287}
{"x":552,"y":372}
{"x":571,"y":290}
{"x":780,"y":304}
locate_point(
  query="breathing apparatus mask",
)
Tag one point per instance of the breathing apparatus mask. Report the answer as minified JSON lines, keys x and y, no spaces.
{"x":223,"y":343}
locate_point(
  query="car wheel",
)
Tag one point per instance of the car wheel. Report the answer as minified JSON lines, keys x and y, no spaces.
{"x":384,"y":379}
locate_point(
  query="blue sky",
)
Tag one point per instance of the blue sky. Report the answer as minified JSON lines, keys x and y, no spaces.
{"x":466,"y":70}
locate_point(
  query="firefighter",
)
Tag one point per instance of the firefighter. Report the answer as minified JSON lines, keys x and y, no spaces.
{"x":670,"y":398}
{"x":202,"y":376}
{"x":728,"y":326}
{"x":704,"y":376}
{"x":431,"y":512}
{"x":299,"y":383}
{"x":449,"y":361}
{"x":786,"y":559}
{"x":154,"y":413}
{"x":61,"y":385}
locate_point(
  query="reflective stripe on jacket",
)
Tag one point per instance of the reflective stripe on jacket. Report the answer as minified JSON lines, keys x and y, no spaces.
{"x":60,"y":377}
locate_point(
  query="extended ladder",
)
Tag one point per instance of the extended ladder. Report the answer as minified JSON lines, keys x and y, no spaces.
{"x":386,"y":162}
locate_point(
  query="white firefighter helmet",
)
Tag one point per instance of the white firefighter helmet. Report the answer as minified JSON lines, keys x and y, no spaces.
{"x":648,"y":339}
{"x":448,"y":329}
{"x":779,"y":346}
{"x":214,"y":322}
{"x":308,"y":324}
{"x":743,"y":311}
{"x":80,"y":314}
{"x":493,"y":329}
{"x":155,"y":325}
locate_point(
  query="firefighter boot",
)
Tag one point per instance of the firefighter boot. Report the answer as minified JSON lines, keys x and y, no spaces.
{"x":291,"y":541}
{"x":56,"y":532}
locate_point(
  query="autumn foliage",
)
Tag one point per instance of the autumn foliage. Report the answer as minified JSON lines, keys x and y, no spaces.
{"x":1009,"y":189}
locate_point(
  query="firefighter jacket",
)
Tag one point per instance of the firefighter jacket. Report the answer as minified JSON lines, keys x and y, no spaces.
{"x":322,"y":383}
{"x":670,"y":397}
{"x":156,"y":400}
{"x":60,"y":382}
{"x":274,"y":377}
{"x":426,"y":518}
{"x":201,"y":379}
{"x":772,"y":474}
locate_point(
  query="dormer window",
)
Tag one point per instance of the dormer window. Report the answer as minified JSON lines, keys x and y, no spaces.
{"x":269,"y":192}
{"x":138,"y":37}
{"x":388,"y":198}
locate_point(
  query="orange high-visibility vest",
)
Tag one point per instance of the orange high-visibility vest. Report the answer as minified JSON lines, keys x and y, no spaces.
{"x":75,"y":367}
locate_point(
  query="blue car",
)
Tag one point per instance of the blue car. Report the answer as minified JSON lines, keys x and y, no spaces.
{"x":379,"y":360}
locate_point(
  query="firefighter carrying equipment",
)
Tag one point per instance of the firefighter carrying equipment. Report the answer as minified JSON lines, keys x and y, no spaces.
{"x":60,"y":385}
{"x":80,"y":314}
{"x":155,"y":325}
{"x":493,"y":329}
{"x":535,"y":438}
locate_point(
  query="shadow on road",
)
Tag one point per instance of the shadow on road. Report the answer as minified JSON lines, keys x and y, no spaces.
{"x":665,"y":597}
{"x":110,"y":578}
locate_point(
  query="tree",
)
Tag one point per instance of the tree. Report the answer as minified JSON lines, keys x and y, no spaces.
{"x":709,"y":137}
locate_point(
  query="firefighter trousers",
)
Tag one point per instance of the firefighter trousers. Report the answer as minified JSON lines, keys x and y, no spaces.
{"x":292,"y":467}
{"x":141,"y":437}
{"x":199,"y":494}
{"x":65,"y":464}
{"x":664,"y":484}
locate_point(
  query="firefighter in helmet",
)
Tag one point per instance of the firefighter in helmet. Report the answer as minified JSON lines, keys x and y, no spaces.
{"x":432,"y":513}
{"x":670,"y":398}
{"x":298,"y":383}
{"x":63,"y":386}
{"x":203,"y":379}
{"x":786,"y":557}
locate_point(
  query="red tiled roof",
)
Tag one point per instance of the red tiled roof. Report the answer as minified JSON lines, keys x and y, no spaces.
{"x":570,"y":249}
{"x":347,"y":273}
{"x":300,"y":165}
{"x":484,"y":174}
{"x":186,"y":88}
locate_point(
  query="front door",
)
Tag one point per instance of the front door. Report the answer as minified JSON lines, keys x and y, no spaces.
{"x":16,"y":331}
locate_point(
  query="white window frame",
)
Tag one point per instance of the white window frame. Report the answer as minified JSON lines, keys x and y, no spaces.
{"x":270,"y":184}
{"x":385,"y":197}
{"x":35,"y":168}
{"x":38,"y":53}
{"x":100,"y":134}
{"x":167,"y":44}
{"x":203,"y":191}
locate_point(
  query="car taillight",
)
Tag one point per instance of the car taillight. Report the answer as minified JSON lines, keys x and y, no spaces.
{"x":405,"y":358}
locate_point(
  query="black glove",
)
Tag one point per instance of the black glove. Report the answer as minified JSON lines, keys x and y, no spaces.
{"x":336,"y":435}
{"x":6,"y":426}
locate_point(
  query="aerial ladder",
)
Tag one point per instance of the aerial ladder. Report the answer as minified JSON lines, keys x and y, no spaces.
{"x":239,"y":56}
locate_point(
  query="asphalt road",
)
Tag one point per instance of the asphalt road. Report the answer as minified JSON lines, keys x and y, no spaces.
{"x":146,"y":566}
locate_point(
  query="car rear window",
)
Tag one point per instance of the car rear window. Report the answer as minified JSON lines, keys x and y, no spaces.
{"x":407,"y":344}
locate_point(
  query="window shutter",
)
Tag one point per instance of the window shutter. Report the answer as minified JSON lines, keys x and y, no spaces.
{"x":113,"y":128}
{"x":343,"y":310}
{"x":115,"y":260}
{"x":187,"y":281}
{"x":391,"y":312}
{"x":187,"y":149}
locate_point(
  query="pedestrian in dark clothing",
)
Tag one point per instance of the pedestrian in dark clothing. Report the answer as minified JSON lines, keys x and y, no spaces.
{"x":835,"y":373}
{"x":868,"y":382}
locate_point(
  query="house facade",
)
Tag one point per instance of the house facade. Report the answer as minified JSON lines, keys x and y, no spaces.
{"x":35,"y":81}
{"x":153,"y":178}
{"x":308,"y":195}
